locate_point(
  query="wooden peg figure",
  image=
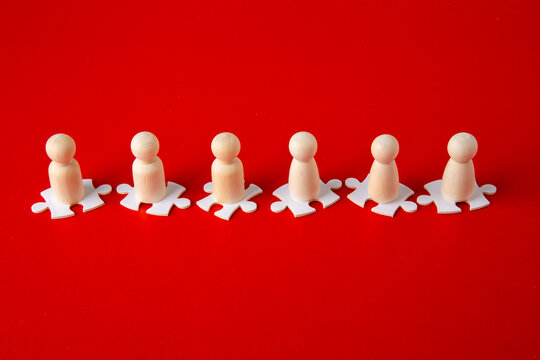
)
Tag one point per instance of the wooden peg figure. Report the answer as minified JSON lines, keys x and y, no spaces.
{"x":458,"y":181}
{"x":383,"y":183}
{"x":148,"y":172}
{"x":227,"y":169}
{"x":304,"y":185}
{"x":64,"y":171}
{"x":304,"y":181}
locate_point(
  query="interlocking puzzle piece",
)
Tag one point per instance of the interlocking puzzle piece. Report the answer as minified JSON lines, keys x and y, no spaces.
{"x":228,"y":209}
{"x":444,"y":206}
{"x":90,"y":201}
{"x":360,"y":195}
{"x":301,"y":208}
{"x":162,"y":207}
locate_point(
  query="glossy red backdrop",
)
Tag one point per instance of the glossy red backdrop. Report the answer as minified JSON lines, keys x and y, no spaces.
{"x":343,"y":283}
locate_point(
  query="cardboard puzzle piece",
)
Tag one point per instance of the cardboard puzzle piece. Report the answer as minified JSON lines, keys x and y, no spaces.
{"x":228,"y":209}
{"x":90,"y":201}
{"x":160,"y":208}
{"x":301,"y":208}
{"x":360,"y":195}
{"x":444,"y":206}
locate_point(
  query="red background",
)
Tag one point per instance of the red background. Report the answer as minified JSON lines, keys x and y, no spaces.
{"x":343,"y":283}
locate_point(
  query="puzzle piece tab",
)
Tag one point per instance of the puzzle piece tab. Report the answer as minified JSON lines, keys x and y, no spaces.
{"x":301,"y":208}
{"x":90,"y":201}
{"x":228,"y":209}
{"x":360,"y":195}
{"x":160,"y":208}
{"x":445,"y":206}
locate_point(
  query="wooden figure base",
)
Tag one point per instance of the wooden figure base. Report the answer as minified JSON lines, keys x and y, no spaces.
{"x":90,"y":201}
{"x":228,"y":209}
{"x":445,"y":206}
{"x":301,"y":208}
{"x":360,"y":195}
{"x":160,"y":208}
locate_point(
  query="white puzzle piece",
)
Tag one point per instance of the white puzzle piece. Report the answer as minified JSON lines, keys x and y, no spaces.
{"x":160,"y":208}
{"x":360,"y":195}
{"x":89,"y":202}
{"x":228,"y":209}
{"x":444,"y":206}
{"x":301,"y":208}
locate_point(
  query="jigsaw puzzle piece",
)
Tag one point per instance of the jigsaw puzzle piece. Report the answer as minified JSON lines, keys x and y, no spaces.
{"x":301,"y":208}
{"x":228,"y":210}
{"x":208,"y":201}
{"x":208,"y":187}
{"x":298,"y":208}
{"x":326,"y":196}
{"x":389,"y":209}
{"x":250,"y":206}
{"x":92,"y":199}
{"x":160,"y":208}
{"x":247,"y":206}
{"x":130,"y":201}
{"x":163,"y":207}
{"x":444,"y":206}
{"x":435,"y":195}
{"x":360,"y":195}
{"x":478,"y":200}
{"x":58,"y":211}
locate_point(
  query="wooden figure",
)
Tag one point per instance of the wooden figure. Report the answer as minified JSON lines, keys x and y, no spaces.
{"x":458,"y":182}
{"x":227,"y":186}
{"x":67,"y":185}
{"x":148,"y":172}
{"x":149,"y":185}
{"x":458,"y":179}
{"x":383,"y":183}
{"x":227,"y":169}
{"x":64,"y":171}
{"x":304,"y":181}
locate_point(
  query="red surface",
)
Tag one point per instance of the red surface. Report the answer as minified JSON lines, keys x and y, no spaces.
{"x":344,"y":283}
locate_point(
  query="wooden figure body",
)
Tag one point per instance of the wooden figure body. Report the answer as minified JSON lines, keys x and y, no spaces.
{"x":64,"y":171}
{"x":148,"y":171}
{"x":458,"y":181}
{"x":227,"y":169}
{"x":383,"y":183}
{"x":304,"y":181}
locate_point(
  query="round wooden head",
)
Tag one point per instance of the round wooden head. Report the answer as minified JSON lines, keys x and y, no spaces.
{"x":60,"y":148}
{"x":462,"y":147}
{"x":145,"y":146}
{"x":385,"y":148}
{"x":225,"y":147}
{"x":303,"y":146}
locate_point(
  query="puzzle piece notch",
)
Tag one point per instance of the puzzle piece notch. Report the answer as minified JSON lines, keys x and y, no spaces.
{"x":360,"y":195}
{"x":445,"y":206}
{"x":89,"y":202}
{"x":160,"y":208}
{"x":301,"y":208}
{"x":228,"y":210}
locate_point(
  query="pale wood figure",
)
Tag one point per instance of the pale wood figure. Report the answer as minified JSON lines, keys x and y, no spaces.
{"x":148,"y":171}
{"x":383,"y":183}
{"x":304,"y":181}
{"x":64,"y":171}
{"x":227,"y":169}
{"x":458,"y":181}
